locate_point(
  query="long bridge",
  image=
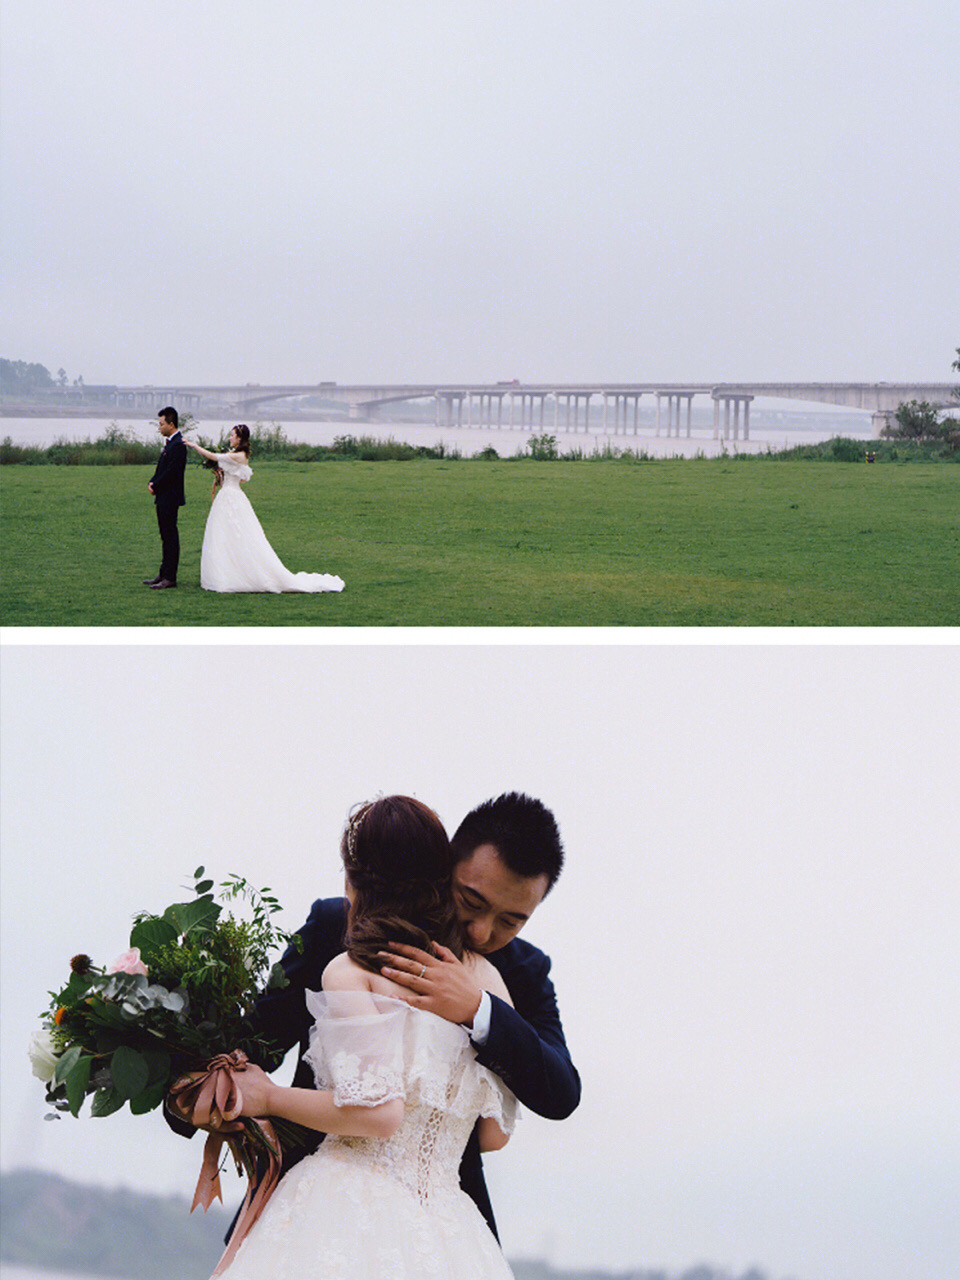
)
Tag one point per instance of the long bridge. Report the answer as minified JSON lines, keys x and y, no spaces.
{"x":558,"y":406}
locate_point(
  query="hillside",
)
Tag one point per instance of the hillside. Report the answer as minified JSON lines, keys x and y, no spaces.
{"x":47,"y":1221}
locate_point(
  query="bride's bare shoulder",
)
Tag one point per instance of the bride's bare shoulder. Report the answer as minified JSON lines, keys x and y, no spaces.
{"x":487,"y":976}
{"x":344,"y":974}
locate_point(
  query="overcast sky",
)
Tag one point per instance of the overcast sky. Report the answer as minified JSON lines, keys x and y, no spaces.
{"x":443,"y":190}
{"x":754,"y":940}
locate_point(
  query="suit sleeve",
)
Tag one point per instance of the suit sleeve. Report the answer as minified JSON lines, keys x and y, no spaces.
{"x":526,"y":1046}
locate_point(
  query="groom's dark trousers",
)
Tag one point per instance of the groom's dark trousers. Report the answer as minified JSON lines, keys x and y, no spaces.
{"x":525,"y":1047}
{"x":168,"y":494}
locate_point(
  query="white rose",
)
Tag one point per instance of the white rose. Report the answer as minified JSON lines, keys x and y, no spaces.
{"x":43,"y":1057}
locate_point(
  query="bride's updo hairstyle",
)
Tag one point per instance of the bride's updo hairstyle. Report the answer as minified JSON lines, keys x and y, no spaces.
{"x":243,"y":431}
{"x":397,"y":859}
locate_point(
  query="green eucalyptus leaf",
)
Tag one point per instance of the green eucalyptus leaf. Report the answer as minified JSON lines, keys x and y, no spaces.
{"x":130,"y":1072}
{"x":198,"y":873}
{"x":105,"y":1103}
{"x":204,"y":886}
{"x":154,"y":996}
{"x":66,"y":1064}
{"x":175,"y":1001}
{"x":77,"y":1082}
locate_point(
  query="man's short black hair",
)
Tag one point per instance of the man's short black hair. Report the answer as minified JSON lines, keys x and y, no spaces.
{"x":522,"y":830}
{"x":170,"y":414}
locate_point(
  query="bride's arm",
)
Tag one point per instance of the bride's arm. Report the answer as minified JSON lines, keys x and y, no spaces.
{"x":490,"y":1135}
{"x":316,"y":1108}
{"x":214,"y":457}
{"x":204,"y":453}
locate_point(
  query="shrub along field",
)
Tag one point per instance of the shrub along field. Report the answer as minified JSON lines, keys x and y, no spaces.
{"x":450,"y":542}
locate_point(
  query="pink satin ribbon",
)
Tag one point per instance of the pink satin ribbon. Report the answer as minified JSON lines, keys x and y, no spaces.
{"x":214,"y":1098}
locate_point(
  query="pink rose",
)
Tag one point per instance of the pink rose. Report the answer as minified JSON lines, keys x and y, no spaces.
{"x":129,"y":962}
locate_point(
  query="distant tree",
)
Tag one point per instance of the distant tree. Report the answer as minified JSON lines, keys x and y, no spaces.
{"x":61,"y":377}
{"x":17,"y":378}
{"x":916,"y":420}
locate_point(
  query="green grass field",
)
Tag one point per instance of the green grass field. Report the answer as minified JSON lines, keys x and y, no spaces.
{"x":448,"y":543}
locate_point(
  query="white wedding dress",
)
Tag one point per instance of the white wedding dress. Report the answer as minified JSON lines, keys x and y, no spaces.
{"x":385,"y":1208}
{"x":236,"y":555}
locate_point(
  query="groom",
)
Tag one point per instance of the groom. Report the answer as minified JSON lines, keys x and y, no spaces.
{"x":508,"y":856}
{"x":166,"y":485}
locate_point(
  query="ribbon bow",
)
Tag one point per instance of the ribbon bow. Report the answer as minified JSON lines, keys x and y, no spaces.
{"x":214,"y":1098}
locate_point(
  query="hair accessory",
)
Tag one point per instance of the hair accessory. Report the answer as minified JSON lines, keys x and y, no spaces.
{"x":352,"y":828}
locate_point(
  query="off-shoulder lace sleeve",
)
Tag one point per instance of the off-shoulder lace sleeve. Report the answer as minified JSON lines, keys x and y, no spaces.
{"x":370,"y":1049}
{"x":356,"y":1046}
{"x":230,"y":463}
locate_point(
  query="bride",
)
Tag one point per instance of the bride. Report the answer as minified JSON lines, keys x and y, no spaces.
{"x":236,"y":555}
{"x":381,"y":1196}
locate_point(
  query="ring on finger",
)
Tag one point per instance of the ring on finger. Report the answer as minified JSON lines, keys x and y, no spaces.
{"x":423,"y":970}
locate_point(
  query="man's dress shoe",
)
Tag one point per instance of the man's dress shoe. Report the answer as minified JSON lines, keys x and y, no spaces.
{"x":151,"y":582}
{"x":162,"y":585}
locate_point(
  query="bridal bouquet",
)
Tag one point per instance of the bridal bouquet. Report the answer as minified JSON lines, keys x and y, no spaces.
{"x":173,"y":1014}
{"x":179,"y":1001}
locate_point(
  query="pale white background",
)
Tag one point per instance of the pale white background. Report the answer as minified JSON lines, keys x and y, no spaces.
{"x":443,"y":190}
{"x":755,"y":938}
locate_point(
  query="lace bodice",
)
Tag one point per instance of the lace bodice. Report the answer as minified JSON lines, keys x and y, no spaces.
{"x":371,"y":1049}
{"x":234,"y":469}
{"x":372,"y":1208}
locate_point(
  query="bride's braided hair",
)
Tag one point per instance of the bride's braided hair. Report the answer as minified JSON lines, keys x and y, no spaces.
{"x":397,"y":859}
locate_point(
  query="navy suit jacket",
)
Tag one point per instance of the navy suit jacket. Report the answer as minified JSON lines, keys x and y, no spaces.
{"x":167,"y":480}
{"x":525,"y":1047}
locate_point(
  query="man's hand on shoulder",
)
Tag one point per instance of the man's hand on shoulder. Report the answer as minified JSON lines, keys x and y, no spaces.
{"x":439,"y":982}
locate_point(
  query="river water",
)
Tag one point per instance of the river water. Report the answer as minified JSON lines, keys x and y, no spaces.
{"x":12,"y":1271}
{"x":42,"y":432}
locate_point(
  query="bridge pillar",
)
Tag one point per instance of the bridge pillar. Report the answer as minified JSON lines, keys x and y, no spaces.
{"x":445,"y":403}
{"x":880,"y":419}
{"x":586,"y":413}
{"x":669,"y":398}
{"x":728,"y":399}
